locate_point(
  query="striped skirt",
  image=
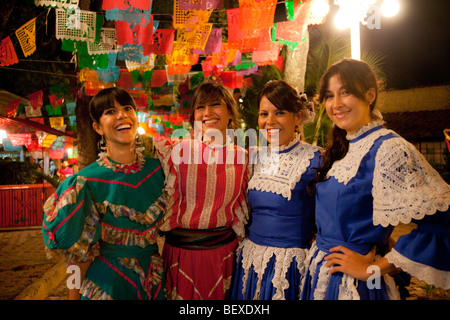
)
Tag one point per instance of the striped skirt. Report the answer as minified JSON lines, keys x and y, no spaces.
{"x":199,"y":263}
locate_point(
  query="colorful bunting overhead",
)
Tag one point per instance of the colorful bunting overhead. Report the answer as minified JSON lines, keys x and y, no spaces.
{"x":158,"y":61}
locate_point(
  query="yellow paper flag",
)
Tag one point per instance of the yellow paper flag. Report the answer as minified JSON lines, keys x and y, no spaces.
{"x":27,"y":37}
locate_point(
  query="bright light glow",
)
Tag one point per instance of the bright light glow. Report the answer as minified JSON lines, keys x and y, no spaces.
{"x":390,"y":8}
{"x":341,"y":21}
{"x":355,"y":41}
{"x":2,"y":135}
{"x":141,"y":130}
{"x":320,"y":8}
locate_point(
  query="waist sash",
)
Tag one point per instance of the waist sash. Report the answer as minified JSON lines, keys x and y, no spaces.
{"x":325,"y":245}
{"x":200,"y":239}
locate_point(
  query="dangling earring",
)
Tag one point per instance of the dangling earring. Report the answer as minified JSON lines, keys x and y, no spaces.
{"x":138,"y":143}
{"x":101,"y":146}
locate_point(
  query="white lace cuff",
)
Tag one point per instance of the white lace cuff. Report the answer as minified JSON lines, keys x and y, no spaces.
{"x":430,"y":275}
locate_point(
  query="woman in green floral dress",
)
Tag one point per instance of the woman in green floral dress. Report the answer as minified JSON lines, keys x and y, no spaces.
{"x":104,"y":219}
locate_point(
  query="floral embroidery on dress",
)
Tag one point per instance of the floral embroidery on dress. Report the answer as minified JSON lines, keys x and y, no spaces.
{"x":126,"y":168}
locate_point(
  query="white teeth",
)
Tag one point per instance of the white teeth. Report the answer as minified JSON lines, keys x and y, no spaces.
{"x":123,"y":126}
{"x":210,"y":121}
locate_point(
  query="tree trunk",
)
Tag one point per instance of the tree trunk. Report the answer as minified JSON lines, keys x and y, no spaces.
{"x":86,"y":136}
{"x":295,"y":65}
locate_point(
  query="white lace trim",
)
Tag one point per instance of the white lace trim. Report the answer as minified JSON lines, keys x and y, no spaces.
{"x":258,"y":257}
{"x":405,"y":186}
{"x":347,"y":168}
{"x":297,"y":138}
{"x":280,"y":172}
{"x":430,"y":275}
{"x":364,"y":129}
{"x":348,"y":286}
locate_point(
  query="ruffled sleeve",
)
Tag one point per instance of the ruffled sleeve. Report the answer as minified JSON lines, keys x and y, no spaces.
{"x":241,"y":207}
{"x":164,"y":153}
{"x":407,"y":189}
{"x":71,"y":226}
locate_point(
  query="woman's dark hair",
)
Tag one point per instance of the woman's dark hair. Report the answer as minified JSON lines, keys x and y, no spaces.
{"x":357,"y":77}
{"x":209,"y":92}
{"x":282,"y":95}
{"x":105,"y":98}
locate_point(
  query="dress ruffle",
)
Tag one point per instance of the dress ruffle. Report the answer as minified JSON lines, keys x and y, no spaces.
{"x":405,"y":186}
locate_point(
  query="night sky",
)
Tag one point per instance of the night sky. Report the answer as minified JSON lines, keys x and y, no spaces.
{"x":415,"y":44}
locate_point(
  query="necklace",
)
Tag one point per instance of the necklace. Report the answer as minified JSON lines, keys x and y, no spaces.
{"x":126,"y":168}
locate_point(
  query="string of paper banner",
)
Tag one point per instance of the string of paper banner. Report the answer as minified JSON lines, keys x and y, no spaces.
{"x":137,"y":40}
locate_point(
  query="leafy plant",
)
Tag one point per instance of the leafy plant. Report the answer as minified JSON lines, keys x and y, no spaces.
{"x":325,"y":48}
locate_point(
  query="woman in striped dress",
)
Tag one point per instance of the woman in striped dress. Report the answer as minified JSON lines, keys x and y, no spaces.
{"x":206,"y":180}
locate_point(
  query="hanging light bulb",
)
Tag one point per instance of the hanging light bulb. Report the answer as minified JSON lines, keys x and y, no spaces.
{"x":320,"y":8}
{"x":390,"y":8}
{"x":341,"y":20}
{"x":2,"y":135}
{"x":141,"y":130}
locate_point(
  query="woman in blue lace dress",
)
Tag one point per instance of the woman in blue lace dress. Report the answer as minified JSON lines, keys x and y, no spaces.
{"x":370,"y":180}
{"x":270,"y":259}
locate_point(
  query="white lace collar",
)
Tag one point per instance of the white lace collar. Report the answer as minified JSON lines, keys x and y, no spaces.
{"x":364,"y":129}
{"x":279,"y":172}
{"x":346,"y":168}
{"x":286,"y":146}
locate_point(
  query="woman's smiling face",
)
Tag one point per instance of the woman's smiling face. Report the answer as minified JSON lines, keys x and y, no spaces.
{"x":280,"y":124}
{"x":213,"y":115}
{"x":346,"y":110}
{"x":118,"y":124}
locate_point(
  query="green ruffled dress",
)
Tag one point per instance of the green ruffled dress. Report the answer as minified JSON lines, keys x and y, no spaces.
{"x":110,"y":213}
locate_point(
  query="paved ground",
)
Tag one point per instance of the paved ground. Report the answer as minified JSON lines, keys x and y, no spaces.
{"x":22,"y":260}
{"x":26,"y":272}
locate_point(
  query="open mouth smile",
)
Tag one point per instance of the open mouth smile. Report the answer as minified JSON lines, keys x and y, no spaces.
{"x":123,"y":126}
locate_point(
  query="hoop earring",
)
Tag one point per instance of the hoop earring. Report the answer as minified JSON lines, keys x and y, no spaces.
{"x":139,"y":143}
{"x":101,"y":146}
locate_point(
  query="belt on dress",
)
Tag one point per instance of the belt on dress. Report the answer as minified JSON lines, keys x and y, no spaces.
{"x":326,"y":244}
{"x":200,"y":239}
{"x":121,"y":251}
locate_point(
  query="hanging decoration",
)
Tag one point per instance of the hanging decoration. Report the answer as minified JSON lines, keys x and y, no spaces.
{"x":8,"y":54}
{"x":27,"y":37}
{"x":57,"y":3}
{"x":12,"y":108}
{"x":77,"y":25}
{"x":158,"y":61}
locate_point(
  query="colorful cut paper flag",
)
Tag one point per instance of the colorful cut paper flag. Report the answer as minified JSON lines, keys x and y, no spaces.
{"x":127,"y":4}
{"x":159,"y":77}
{"x":57,"y":3}
{"x":31,"y":113}
{"x":20,"y":139}
{"x":162,"y":42}
{"x":200,"y":4}
{"x":56,"y":121}
{"x":27,"y":37}
{"x":8,"y":55}
{"x":36,"y":99}
{"x":55,"y":101}
{"x":12,"y":107}
{"x":71,"y":107}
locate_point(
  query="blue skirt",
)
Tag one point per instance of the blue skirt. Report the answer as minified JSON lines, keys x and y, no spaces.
{"x":268,"y":273}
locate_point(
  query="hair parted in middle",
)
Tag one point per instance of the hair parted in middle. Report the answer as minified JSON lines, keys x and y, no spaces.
{"x":208,"y":92}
